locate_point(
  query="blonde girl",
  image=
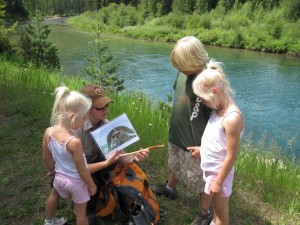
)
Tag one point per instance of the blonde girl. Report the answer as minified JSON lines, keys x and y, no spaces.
{"x":220,"y":140}
{"x":63,"y":155}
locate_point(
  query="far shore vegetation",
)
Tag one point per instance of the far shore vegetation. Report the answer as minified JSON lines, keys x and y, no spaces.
{"x":266,"y":189}
{"x":243,"y":26}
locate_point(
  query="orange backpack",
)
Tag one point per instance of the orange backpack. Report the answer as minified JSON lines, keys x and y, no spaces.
{"x":127,"y":196}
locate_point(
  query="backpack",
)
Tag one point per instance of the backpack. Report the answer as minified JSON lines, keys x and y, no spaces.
{"x":127,"y":197}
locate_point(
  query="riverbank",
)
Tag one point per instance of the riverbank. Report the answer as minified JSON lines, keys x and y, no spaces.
{"x":264,"y":192}
{"x":265,"y":31}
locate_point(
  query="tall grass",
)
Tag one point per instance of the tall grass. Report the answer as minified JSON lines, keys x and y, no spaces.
{"x":272,"y":175}
{"x":268,"y":177}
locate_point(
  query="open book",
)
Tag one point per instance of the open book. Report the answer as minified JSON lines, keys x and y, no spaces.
{"x":115,"y":135}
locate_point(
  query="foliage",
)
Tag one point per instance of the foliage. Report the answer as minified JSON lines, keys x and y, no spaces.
{"x":291,"y":9}
{"x":150,"y":8}
{"x":99,"y":68}
{"x":5,"y":45}
{"x":182,"y":6}
{"x":119,"y":16}
{"x":55,"y":7}
{"x":15,"y":9}
{"x":242,"y":26}
{"x":36,"y":49}
{"x":201,"y":7}
{"x":70,"y":7}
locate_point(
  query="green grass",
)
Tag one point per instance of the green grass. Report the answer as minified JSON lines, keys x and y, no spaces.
{"x":266,"y":188}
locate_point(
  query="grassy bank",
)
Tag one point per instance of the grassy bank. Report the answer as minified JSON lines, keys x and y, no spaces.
{"x":266,"y":189}
{"x":242,"y":27}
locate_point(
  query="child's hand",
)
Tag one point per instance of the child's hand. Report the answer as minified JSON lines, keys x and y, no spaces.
{"x":215,"y":188}
{"x":92,"y":189}
{"x":115,"y":157}
{"x":195,"y":150}
{"x":51,"y":173}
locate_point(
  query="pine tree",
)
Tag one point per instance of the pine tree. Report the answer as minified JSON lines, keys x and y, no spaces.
{"x":35,"y":47}
{"x":100,"y":67}
{"x":5,"y":44}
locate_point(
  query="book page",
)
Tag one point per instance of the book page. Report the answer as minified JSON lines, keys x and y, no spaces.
{"x":115,"y":135}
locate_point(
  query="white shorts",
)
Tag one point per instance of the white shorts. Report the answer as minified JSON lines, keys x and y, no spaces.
{"x":226,"y":188}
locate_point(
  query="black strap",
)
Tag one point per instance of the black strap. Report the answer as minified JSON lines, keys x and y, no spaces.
{"x":117,"y":204}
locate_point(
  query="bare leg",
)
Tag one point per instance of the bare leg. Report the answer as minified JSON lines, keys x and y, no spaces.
{"x":173,"y":181}
{"x":221,"y":210}
{"x":205,"y":201}
{"x":51,"y":204}
{"x":80,"y":213}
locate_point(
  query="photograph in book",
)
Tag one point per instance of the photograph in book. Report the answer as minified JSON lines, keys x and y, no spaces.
{"x":114,"y":136}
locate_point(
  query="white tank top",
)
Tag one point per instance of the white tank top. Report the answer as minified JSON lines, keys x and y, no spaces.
{"x":64,"y":162}
{"x":213,"y":144}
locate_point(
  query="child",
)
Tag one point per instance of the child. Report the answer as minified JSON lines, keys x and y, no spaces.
{"x":62,"y":153}
{"x":188,"y":121}
{"x":220,"y":140}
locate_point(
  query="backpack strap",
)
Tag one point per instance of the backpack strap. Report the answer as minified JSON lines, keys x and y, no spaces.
{"x":117,"y":204}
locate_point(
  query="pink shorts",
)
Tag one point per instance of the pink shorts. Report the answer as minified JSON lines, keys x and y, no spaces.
{"x":226,"y":188}
{"x":71,"y":187}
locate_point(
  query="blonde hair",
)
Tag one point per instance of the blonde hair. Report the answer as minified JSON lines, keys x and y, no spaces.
{"x":67,"y":102}
{"x":212,"y":76}
{"x":189,"y":54}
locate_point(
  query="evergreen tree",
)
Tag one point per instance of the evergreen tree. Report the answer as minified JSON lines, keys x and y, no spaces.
{"x":35,"y":47}
{"x":183,"y":6}
{"x":164,"y":7}
{"x":227,"y":4}
{"x":5,"y":45}
{"x":99,"y":66}
{"x":201,"y":6}
{"x":15,"y":9}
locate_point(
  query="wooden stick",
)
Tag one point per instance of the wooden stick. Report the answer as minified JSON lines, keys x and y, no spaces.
{"x":149,"y":148}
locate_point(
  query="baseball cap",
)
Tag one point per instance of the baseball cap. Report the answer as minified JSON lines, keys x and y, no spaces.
{"x":97,"y":94}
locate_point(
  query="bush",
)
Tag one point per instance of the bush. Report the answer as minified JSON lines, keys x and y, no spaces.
{"x":176,"y":21}
{"x":197,"y":21}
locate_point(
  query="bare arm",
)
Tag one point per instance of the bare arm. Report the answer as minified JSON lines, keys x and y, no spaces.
{"x":47,"y":156}
{"x":94,"y":167}
{"x":233,"y":125}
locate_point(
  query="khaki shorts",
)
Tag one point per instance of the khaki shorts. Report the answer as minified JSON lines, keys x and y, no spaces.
{"x":186,"y":169}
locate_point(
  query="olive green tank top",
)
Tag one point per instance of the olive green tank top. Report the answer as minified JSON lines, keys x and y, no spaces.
{"x":189,"y":117}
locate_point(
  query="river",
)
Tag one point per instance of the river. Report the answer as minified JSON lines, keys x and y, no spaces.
{"x":267,"y":85}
